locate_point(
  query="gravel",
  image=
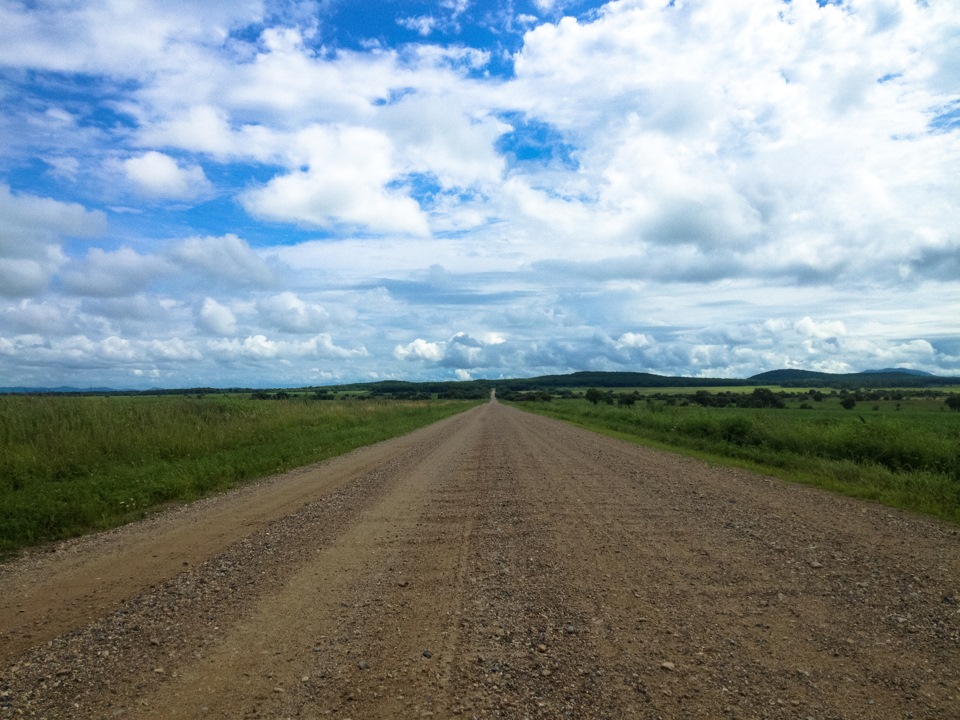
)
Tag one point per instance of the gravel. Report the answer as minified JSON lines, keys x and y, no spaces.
{"x":505,"y":565}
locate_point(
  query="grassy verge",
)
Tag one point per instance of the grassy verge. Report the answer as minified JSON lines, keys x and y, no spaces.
{"x":908,"y":459}
{"x":69,"y":465}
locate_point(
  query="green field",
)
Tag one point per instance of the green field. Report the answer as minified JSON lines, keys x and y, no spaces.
{"x":901,"y":448}
{"x":69,"y":465}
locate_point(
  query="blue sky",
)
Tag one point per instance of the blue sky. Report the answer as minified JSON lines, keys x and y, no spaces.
{"x":291,"y":193}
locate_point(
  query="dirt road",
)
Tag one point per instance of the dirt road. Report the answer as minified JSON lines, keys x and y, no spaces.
{"x":496,"y":564}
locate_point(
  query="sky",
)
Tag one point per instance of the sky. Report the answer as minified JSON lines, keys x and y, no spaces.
{"x":280,"y":193}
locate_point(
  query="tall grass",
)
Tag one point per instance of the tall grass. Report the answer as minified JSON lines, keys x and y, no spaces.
{"x":908,"y":459}
{"x":72,"y":464}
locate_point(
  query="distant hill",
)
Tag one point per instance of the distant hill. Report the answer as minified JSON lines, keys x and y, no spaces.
{"x":613,"y":380}
{"x":890,"y":377}
{"x":908,"y":371}
{"x":776,"y":377}
{"x":63,"y":389}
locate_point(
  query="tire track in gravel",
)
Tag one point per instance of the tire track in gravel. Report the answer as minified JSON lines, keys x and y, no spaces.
{"x":49,"y":593}
{"x":361,"y":628}
{"x":758,"y":594}
{"x":501,"y":564}
{"x":112,"y":664}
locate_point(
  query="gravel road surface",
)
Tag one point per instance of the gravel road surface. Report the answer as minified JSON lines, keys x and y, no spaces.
{"x":495,"y":564}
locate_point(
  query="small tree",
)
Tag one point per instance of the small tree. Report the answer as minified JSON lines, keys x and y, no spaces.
{"x":594,"y":396}
{"x":848,"y":403}
{"x":761,"y":398}
{"x":953,"y":402}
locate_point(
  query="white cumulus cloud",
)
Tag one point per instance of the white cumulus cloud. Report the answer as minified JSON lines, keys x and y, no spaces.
{"x":227,"y":258}
{"x":341,"y":178}
{"x":260,"y":348}
{"x":420,"y":349}
{"x":159,"y":175}
{"x":287,"y":312}
{"x":216,"y":318}
{"x":32,"y":231}
{"x":106,"y":274}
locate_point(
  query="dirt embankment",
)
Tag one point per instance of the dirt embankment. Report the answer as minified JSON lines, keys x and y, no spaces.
{"x":496,"y":564}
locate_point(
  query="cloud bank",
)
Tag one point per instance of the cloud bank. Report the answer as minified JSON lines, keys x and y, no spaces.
{"x":265,"y":193}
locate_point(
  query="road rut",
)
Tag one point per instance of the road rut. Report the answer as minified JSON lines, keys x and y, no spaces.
{"x":496,"y":564}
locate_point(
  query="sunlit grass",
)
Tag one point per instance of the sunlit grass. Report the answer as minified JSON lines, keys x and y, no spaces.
{"x":72,"y":464}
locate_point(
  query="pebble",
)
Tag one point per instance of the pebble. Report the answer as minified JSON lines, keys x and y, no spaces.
{"x":668,"y":666}
{"x":570,"y":630}
{"x":363,"y":665}
{"x":541,"y":648}
{"x":427,"y":654}
{"x":403,"y":583}
{"x":815,"y":564}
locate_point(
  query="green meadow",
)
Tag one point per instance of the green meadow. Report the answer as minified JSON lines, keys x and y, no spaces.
{"x":71,"y":464}
{"x":897,"y":447}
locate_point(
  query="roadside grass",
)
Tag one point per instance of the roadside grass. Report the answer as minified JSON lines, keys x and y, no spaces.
{"x":905,"y":455}
{"x":69,"y":465}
